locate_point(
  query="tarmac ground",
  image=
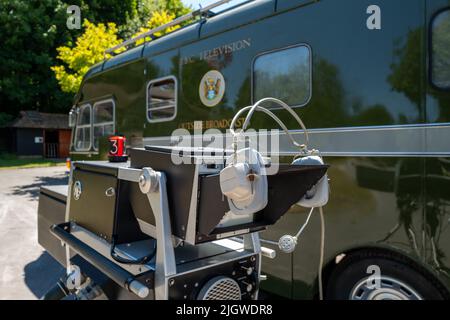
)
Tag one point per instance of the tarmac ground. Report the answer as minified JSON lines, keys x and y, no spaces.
{"x":27,"y":271}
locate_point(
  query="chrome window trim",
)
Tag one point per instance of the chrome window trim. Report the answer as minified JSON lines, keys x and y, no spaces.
{"x":82,"y":107}
{"x":430,"y":49}
{"x":427,"y":145}
{"x":171,"y":77}
{"x":103,"y":123}
{"x":252,"y":71}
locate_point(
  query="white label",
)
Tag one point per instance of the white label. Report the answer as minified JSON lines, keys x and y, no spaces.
{"x":74,"y":19}
{"x":38,"y":140}
{"x":374,"y":20}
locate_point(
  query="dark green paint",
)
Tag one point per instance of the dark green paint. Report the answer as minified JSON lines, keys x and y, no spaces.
{"x":360,"y":78}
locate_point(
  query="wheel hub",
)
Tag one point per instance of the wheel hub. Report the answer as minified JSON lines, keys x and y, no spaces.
{"x":385,"y":289}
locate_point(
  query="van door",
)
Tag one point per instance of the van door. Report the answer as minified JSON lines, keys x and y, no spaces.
{"x":437,"y":184}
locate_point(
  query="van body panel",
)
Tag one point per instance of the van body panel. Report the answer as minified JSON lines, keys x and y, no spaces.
{"x":372,"y":112}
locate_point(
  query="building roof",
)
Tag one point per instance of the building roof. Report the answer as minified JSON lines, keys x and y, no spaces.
{"x":41,"y":120}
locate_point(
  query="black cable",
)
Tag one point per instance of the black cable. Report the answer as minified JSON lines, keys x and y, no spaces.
{"x":142,"y":260}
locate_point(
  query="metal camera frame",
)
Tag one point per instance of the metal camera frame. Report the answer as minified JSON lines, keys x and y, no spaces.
{"x":153,"y":184}
{"x":96,"y":250}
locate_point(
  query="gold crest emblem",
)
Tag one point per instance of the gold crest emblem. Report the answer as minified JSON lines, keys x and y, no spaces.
{"x":212,"y":88}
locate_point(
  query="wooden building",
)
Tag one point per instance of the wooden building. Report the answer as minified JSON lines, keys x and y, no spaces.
{"x":40,"y":134}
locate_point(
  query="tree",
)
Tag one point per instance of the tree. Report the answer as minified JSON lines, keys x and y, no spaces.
{"x":406,"y":74}
{"x":89,"y":49}
{"x":109,"y":10}
{"x":158,"y":18}
{"x":5,"y":119}
{"x":31,"y":31}
{"x":176,"y":7}
{"x":145,"y":10}
{"x":406,"y":69}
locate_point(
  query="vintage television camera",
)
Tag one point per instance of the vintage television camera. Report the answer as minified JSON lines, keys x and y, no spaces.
{"x":180,"y":223}
{"x":165,"y":231}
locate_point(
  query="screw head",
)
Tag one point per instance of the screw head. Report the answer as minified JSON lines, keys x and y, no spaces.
{"x":77,"y":190}
{"x":171,"y":282}
{"x":142,"y":180}
{"x":148,"y":181}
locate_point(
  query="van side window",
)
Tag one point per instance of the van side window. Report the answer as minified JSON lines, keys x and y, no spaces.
{"x":103,"y":120}
{"x":83,"y":128}
{"x":162,"y":99}
{"x":440,"y":64}
{"x":283,"y":74}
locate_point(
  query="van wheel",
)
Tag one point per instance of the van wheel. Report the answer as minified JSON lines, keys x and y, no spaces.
{"x":353,"y":279}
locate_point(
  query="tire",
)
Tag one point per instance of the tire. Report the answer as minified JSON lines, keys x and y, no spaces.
{"x":400,"y":279}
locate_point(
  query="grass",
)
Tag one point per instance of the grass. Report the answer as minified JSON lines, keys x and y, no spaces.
{"x":11,"y":161}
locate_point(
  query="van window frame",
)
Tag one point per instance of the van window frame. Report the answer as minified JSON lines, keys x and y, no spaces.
{"x":84,"y":105}
{"x":302,"y":44}
{"x":152,"y":82}
{"x":102,"y":123}
{"x":430,"y":49}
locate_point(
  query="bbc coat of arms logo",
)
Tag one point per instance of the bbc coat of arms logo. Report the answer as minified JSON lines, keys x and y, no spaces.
{"x":212,"y":88}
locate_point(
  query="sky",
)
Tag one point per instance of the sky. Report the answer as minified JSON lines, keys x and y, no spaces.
{"x":195,"y":3}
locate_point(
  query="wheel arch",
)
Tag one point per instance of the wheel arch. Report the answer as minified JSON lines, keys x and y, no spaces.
{"x":335,"y":259}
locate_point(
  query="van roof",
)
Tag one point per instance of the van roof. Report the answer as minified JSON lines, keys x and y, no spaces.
{"x":233,"y":17}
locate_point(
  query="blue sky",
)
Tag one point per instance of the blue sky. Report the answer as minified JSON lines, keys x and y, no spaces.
{"x":195,"y":3}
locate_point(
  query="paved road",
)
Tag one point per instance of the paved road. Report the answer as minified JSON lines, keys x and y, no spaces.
{"x":26,"y":270}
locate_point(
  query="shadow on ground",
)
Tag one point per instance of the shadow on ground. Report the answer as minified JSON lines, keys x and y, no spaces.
{"x":32,"y":190}
{"x":42,"y":274}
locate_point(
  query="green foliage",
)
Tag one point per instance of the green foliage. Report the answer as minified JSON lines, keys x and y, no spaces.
{"x":406,"y":69}
{"x":158,"y":18}
{"x":175,"y":7}
{"x":89,"y":49}
{"x":144,"y":12}
{"x":90,"y":46}
{"x":11,"y":161}
{"x":33,"y":30}
{"x":116,"y":11}
{"x":327,"y":105}
{"x":144,"y":9}
{"x":5,"y":119}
